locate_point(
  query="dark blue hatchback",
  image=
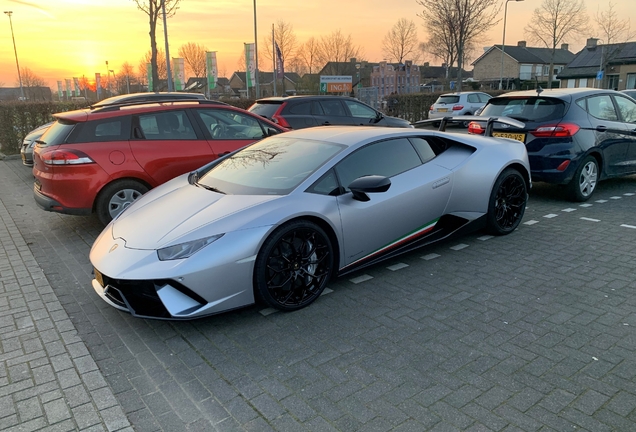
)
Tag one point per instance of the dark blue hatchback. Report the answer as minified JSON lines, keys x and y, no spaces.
{"x":574,"y":137}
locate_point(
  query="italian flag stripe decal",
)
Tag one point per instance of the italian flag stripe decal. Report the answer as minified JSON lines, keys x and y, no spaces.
{"x":419,"y":232}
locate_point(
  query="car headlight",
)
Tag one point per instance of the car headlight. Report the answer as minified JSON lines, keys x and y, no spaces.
{"x":185,"y":250}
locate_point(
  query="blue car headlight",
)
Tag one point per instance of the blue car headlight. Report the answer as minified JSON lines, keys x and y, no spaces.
{"x":185,"y":250}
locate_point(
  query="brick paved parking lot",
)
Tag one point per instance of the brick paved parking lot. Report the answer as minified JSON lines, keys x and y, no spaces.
{"x":534,"y":331}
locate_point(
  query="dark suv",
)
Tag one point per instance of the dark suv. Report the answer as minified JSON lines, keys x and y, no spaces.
{"x":297,"y":112}
{"x":574,"y":137}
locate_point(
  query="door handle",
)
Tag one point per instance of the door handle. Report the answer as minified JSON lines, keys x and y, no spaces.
{"x":601,"y":128}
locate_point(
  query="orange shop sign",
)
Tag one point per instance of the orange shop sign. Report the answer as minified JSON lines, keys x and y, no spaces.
{"x":335,"y":83}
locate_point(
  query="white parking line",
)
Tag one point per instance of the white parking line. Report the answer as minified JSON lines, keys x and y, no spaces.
{"x":484,"y":238}
{"x":397,"y":266}
{"x":628,"y":226}
{"x":616,"y":197}
{"x":628,"y":194}
{"x":326,"y":291}
{"x":459,"y":246}
{"x":531,"y":222}
{"x":568,"y":210}
{"x":430,"y":256}
{"x":550,"y":216}
{"x":601,"y":201}
{"x":590,"y":219}
{"x":586,"y":205}
{"x":363,"y":278}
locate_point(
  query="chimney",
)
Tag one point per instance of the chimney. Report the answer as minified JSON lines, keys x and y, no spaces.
{"x":521,"y":44}
{"x":352,"y":59}
{"x":565,"y":47}
{"x":591,"y":43}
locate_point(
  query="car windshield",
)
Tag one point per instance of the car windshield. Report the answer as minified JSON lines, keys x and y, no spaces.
{"x":265,"y":109}
{"x":535,"y":109}
{"x":57,"y":133}
{"x":447,"y":99}
{"x":274,"y":166}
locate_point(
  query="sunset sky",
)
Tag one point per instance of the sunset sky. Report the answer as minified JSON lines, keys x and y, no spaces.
{"x":70,"y":38}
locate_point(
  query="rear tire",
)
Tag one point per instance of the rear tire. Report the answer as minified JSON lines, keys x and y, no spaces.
{"x":116,"y":197}
{"x":585,"y":179}
{"x":507,"y":204}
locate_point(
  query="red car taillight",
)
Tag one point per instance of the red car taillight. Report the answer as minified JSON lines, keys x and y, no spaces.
{"x":475,"y":128}
{"x":65,"y":157}
{"x":560,"y":130}
{"x":279,"y":119}
{"x":431,"y":108}
{"x":458,"y":107}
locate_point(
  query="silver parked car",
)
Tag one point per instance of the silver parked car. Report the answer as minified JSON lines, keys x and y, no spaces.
{"x":26,"y":149}
{"x":453,"y":104}
{"x":275,"y":220}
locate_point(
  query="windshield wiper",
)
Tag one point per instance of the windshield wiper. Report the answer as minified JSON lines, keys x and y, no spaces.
{"x":210,"y":188}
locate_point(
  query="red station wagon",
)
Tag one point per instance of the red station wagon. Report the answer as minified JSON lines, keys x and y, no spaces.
{"x":101,"y":160}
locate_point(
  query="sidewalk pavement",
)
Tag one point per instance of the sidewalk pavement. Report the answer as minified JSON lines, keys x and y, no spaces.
{"x":48,"y":379}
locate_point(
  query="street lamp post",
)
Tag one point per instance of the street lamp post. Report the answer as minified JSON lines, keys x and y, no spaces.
{"x":256,"y":53}
{"x":503,"y":44}
{"x":165,"y":36}
{"x":8,"y":13}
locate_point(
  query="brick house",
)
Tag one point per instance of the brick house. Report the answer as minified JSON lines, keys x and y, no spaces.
{"x":618,"y":64}
{"x":395,"y":78}
{"x":521,"y":63}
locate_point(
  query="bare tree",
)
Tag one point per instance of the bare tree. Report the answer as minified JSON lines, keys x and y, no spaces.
{"x":194,"y":56}
{"x":159,"y":72}
{"x":31,"y":83}
{"x":125,"y":77}
{"x":554,"y":21}
{"x":460,"y":24}
{"x":308,"y":55}
{"x":153,"y":8}
{"x":611,"y":27}
{"x":337,"y":49}
{"x":401,"y":42}
{"x":285,"y":38}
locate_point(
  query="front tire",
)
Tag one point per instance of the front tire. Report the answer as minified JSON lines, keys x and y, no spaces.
{"x":507,"y":204}
{"x":293,"y":266}
{"x":585,"y":178}
{"x":116,"y":197}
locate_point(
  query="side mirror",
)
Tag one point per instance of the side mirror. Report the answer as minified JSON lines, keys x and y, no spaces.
{"x":272,"y":131}
{"x":361,"y":186}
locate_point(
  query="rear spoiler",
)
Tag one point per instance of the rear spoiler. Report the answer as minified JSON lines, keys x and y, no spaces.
{"x":490,"y":121}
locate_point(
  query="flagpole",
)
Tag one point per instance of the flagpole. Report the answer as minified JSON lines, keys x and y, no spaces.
{"x":256,"y":52}
{"x":274,"y":60}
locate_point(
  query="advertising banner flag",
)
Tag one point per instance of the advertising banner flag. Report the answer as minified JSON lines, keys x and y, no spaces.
{"x":76,"y":85}
{"x":98,"y":85}
{"x":250,"y":65}
{"x":149,"y":75}
{"x":280,"y":67}
{"x":59,"y":90}
{"x":68,"y":89}
{"x":210,"y":68}
{"x":178,"y":66}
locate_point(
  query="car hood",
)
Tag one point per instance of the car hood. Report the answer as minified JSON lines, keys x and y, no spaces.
{"x":178,"y":212}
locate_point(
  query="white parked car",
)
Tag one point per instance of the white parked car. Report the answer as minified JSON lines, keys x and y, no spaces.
{"x":453,"y":104}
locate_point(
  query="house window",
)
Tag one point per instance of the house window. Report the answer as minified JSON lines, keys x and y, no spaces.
{"x":525,"y":72}
{"x":571,"y":83}
{"x":582,"y":82}
{"x":612,"y":81}
{"x":546,"y":70}
{"x":631,"y":81}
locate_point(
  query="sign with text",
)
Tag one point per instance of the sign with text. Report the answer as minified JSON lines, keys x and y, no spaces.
{"x":335,"y":83}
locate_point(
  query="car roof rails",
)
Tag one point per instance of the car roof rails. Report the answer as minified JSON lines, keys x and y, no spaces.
{"x":118,"y":106}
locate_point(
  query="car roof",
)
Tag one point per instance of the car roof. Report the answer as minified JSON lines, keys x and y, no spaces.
{"x":281,"y":99}
{"x":148,"y":96}
{"x":136,"y":108}
{"x":562,"y":93}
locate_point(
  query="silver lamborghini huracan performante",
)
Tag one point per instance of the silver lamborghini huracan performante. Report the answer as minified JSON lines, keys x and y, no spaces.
{"x":273,"y":222}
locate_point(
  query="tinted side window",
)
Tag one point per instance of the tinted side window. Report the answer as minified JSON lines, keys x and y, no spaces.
{"x":170,"y":125}
{"x":327,"y":185}
{"x":112,"y":129}
{"x":386,"y":158}
{"x":627,"y":109}
{"x":301,"y":108}
{"x":423,"y":148}
{"x":483,"y":97}
{"x":229,"y":124}
{"x":601,"y":107}
{"x":333,"y":108}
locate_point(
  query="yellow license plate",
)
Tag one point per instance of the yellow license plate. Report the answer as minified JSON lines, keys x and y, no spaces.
{"x":98,"y":277}
{"x":442,"y":109}
{"x":515,"y":136}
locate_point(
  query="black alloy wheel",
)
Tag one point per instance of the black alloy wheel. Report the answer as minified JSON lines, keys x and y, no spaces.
{"x":293,"y":266}
{"x":507,"y":204}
